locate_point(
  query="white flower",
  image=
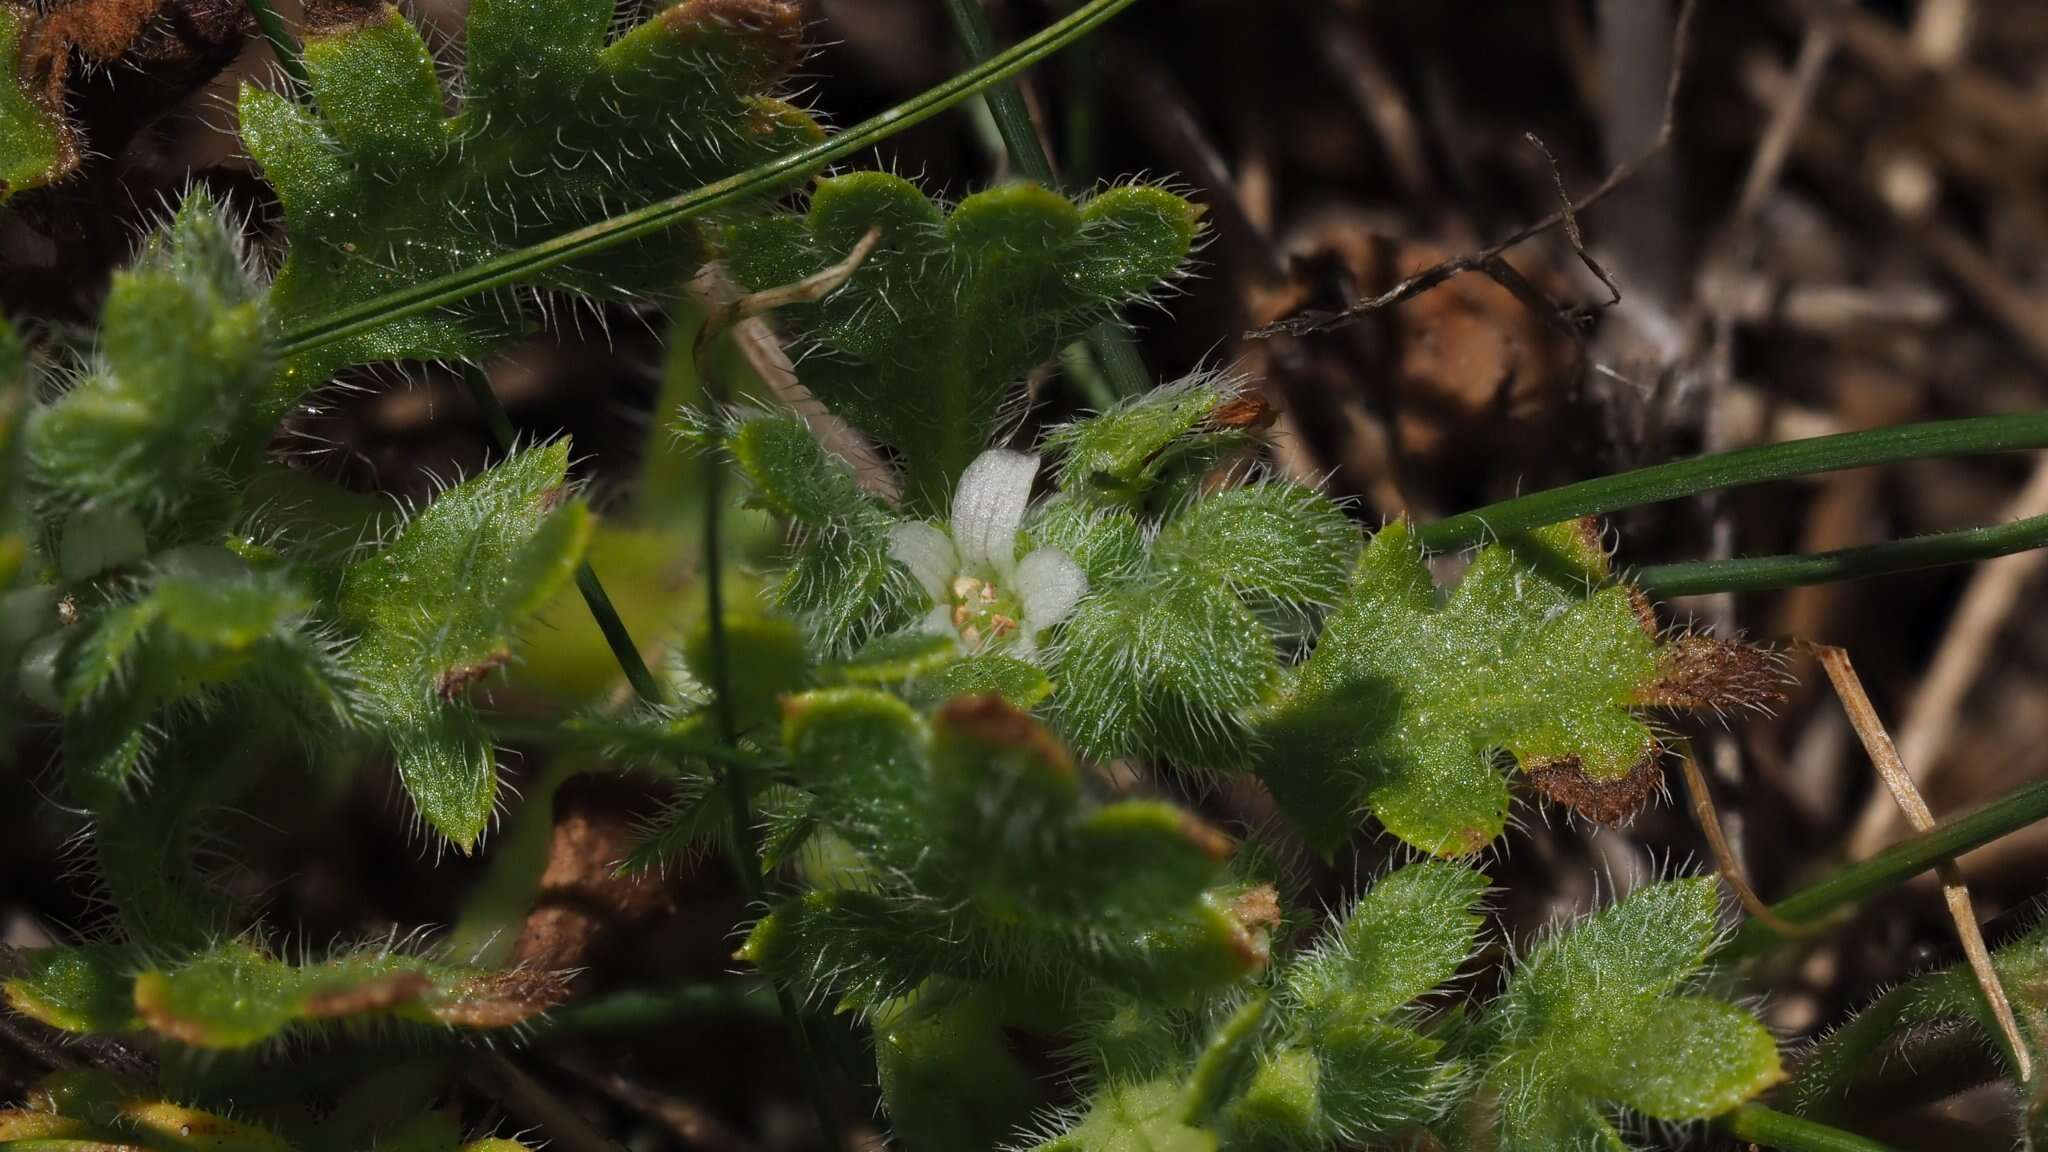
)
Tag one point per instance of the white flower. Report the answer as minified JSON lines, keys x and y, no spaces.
{"x":982,"y":592}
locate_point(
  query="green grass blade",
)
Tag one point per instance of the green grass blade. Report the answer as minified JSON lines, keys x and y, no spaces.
{"x":1895,"y":865}
{"x":1758,"y":1125}
{"x":516,"y":266}
{"x":1762,"y":573}
{"x":2007,"y":433}
{"x":1115,"y":352}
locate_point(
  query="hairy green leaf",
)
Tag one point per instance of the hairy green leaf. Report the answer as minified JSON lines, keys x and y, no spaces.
{"x":1134,"y":1117}
{"x":86,"y":989}
{"x":35,"y":145}
{"x":1406,"y":703}
{"x":923,"y":343}
{"x":438,"y":607}
{"x":206,"y":622}
{"x":1926,"y":1011}
{"x":1600,"y":1014}
{"x":560,"y":124}
{"x":171,"y":415}
{"x":981,"y":856}
{"x":838,"y":579}
{"x":1121,"y":456}
{"x":236,"y":995}
{"x":948,"y":1077}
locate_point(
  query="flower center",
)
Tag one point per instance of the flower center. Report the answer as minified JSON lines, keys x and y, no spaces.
{"x":982,"y":613}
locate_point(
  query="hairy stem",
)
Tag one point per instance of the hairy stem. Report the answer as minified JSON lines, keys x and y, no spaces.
{"x":1773,"y":1129}
{"x":594,"y":596}
{"x":1762,"y":573}
{"x":737,"y":781}
{"x":1895,"y":865}
{"x":1114,"y":350}
{"x":514,"y":267}
{"x":2007,"y":433}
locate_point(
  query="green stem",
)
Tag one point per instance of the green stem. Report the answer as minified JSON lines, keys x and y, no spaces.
{"x":1762,"y":573}
{"x":524,"y":730}
{"x":594,"y":596}
{"x":1894,"y":865}
{"x":746,"y":852}
{"x":285,"y":47}
{"x":1115,"y":351}
{"x":1773,"y":1129}
{"x":2007,"y":433}
{"x":646,"y":1009}
{"x":515,"y":267}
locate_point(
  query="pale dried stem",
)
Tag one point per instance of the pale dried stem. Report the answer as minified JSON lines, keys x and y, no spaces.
{"x":1992,"y":596}
{"x":742,"y":313}
{"x":1724,"y":856}
{"x":1878,"y":744}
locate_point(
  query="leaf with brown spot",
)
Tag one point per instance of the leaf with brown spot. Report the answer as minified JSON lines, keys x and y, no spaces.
{"x":237,"y":995}
{"x":1607,"y":802}
{"x":1699,"y":673}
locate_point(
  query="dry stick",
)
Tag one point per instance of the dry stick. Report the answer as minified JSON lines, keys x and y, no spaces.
{"x":1878,"y":743}
{"x":1993,"y":593}
{"x":1724,"y":856}
{"x":1488,"y":260}
{"x":808,"y":290}
{"x":1767,"y":163}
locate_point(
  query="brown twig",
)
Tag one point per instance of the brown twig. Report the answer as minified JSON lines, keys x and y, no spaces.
{"x":1488,"y":260}
{"x":1878,"y":744}
{"x":1724,"y":856}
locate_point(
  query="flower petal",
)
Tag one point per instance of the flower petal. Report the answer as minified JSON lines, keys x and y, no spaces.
{"x":927,"y":552}
{"x":1048,"y":583}
{"x":989,"y":505}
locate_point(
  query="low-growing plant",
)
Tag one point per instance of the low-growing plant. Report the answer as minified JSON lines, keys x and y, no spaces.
{"x":913,"y":729}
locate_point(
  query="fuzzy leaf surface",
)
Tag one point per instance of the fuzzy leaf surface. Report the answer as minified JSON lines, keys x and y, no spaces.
{"x":1603,"y":1014}
{"x":438,"y":608}
{"x":33,"y":146}
{"x":838,"y":576}
{"x":981,"y":854}
{"x":952,"y":309}
{"x":1407,"y":702}
{"x":560,"y":124}
{"x":236,"y":995}
{"x":170,"y":415}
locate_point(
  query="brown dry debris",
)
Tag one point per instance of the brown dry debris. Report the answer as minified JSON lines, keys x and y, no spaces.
{"x":451,"y":683}
{"x":379,"y":995}
{"x":501,"y":999}
{"x":1607,"y":802}
{"x":582,"y":896}
{"x":1699,"y":673}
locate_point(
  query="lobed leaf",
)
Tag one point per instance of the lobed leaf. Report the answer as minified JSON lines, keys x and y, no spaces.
{"x":981,"y":856}
{"x":236,"y":995}
{"x":1600,"y":1015}
{"x":559,"y":125}
{"x":171,"y":416}
{"x":1121,"y":456}
{"x":206,"y":623}
{"x":438,"y":607}
{"x":839,"y":576}
{"x":1532,"y":656}
{"x":951,"y":309}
